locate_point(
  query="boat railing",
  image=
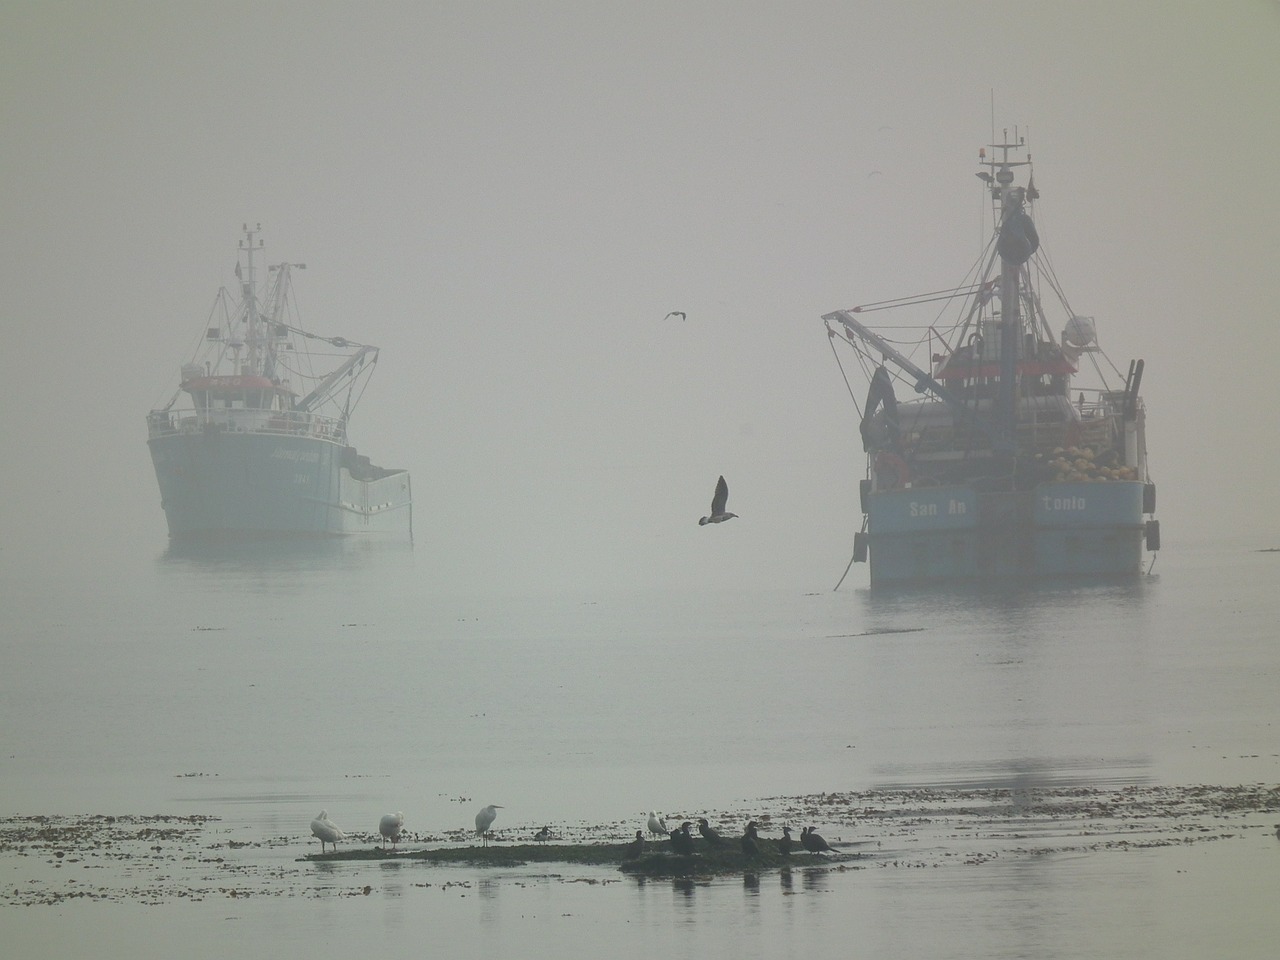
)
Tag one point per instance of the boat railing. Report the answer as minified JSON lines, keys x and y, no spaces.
{"x":949,"y":440}
{"x":291,"y":423}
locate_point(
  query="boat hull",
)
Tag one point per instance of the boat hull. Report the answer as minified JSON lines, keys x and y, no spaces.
{"x":1062,"y":529}
{"x":223,"y":483}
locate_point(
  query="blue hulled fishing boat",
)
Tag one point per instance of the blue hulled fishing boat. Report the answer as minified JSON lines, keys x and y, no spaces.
{"x":1001,"y":464}
{"x":254,"y":442}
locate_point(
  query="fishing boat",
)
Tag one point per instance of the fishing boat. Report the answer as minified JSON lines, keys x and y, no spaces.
{"x":254,"y":441}
{"x":1000,"y":462}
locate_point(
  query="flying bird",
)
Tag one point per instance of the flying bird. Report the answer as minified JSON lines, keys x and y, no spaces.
{"x":718,"y":504}
{"x":327,"y":831}
{"x":543,"y":835}
{"x":750,"y":846}
{"x":811,"y":841}
{"x":635,"y":847}
{"x":708,"y":834}
{"x":675,"y":313}
{"x":484,"y":820}
{"x":390,"y":826}
{"x":656,"y":826}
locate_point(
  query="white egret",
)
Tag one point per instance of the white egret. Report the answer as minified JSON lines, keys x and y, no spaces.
{"x":390,"y":826}
{"x":718,"y":504}
{"x":327,"y":831}
{"x":656,"y":826}
{"x":484,"y":820}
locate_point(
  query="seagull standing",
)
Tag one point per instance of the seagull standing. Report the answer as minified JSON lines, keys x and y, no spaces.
{"x":675,"y":313}
{"x":718,"y":504}
{"x":484,"y":820}
{"x":327,"y":831}
{"x":656,"y":826}
{"x":390,"y":826}
{"x":635,"y":847}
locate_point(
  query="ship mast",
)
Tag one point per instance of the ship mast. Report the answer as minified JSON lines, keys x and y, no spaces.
{"x":1016,"y":242}
{"x":249,"y":297}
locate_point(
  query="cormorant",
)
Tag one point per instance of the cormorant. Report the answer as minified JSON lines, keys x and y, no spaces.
{"x":811,"y":841}
{"x":635,"y":847}
{"x":682,"y":840}
{"x":708,"y":834}
{"x":750,"y":847}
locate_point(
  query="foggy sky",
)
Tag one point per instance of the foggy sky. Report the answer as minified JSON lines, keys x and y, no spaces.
{"x":507,"y":198}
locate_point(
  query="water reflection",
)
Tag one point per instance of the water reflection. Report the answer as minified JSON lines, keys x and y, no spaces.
{"x":1018,"y":686}
{"x":490,"y":901}
{"x":325,"y":878}
{"x":1011,"y":593}
{"x":294,"y":552}
{"x":314,"y":567}
{"x":814,"y":879}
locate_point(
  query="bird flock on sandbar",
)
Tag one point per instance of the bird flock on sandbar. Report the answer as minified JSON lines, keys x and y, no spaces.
{"x":679,"y":841}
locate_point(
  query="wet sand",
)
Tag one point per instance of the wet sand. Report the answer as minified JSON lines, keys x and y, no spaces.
{"x":158,"y":859}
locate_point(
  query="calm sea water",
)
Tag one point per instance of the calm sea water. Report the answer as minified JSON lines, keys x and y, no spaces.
{"x":259,"y":687}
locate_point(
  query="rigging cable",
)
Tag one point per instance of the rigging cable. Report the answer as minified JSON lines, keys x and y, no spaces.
{"x":831,"y":336}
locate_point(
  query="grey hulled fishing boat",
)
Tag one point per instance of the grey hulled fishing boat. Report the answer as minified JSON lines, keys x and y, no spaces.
{"x":1002,"y":465}
{"x":254,"y":442}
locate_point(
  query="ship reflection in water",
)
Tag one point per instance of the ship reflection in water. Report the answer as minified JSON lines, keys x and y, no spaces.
{"x":1053,"y":771}
{"x":284,"y":553}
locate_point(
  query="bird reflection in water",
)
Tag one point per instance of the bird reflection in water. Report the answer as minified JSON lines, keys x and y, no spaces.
{"x":814,"y":878}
